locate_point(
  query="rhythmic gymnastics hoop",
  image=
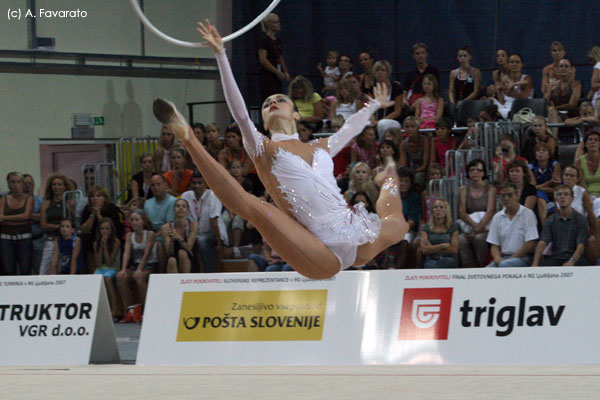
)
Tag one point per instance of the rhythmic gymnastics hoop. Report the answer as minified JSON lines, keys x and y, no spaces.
{"x":160,"y":34}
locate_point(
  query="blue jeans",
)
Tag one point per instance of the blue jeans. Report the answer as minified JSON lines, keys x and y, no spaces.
{"x":512,"y":263}
{"x":442,"y":262}
{"x":17,"y":252}
{"x":263,"y":265}
{"x":206,"y":246}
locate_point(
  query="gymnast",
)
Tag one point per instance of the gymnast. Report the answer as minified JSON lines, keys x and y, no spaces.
{"x":312,"y":227}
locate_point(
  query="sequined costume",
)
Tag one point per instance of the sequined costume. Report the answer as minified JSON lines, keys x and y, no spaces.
{"x":299,"y":177}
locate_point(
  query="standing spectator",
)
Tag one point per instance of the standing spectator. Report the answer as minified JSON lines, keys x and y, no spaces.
{"x":414,"y":79}
{"x":567,"y":230}
{"x":178,"y":177}
{"x":562,"y":93}
{"x":367,"y":80}
{"x":67,"y":258}
{"x":162,"y":154}
{"x":465,"y":80}
{"x":273,"y":69}
{"x":442,"y":142}
{"x":37,"y":233}
{"x":594,"y":96}
{"x":439,"y":238}
{"x":15,"y":228}
{"x":51,"y":214}
{"x":430,"y":107}
{"x":205,"y":210}
{"x":307,"y":101}
{"x":331,"y":73}
{"x":179,"y":237}
{"x":512,"y":232}
{"x":476,"y":207}
{"x":140,"y":182}
{"x":107,"y":253}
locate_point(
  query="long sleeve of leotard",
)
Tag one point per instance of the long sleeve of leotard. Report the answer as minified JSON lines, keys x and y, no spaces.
{"x":353,"y":126}
{"x":252,"y":139}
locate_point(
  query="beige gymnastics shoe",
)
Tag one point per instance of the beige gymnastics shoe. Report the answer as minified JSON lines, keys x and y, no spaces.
{"x":165,"y":112}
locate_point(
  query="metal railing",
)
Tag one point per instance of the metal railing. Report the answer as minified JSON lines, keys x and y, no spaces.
{"x":447,"y":189}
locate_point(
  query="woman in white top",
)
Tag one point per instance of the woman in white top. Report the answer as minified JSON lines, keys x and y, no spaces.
{"x":594,"y":55}
{"x":312,"y":227}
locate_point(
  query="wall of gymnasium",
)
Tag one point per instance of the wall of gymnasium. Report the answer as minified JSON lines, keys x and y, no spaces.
{"x":41,"y":106}
{"x":388,"y":28}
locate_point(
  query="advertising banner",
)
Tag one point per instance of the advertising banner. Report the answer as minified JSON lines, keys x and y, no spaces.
{"x":55,"y":320}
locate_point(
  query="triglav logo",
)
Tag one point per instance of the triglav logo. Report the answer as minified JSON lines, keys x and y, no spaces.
{"x":425,"y":314}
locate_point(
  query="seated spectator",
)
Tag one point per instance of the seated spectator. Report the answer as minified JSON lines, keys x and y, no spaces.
{"x":435,"y":171}
{"x":16,"y":242}
{"x":589,"y":163}
{"x":51,"y":214}
{"x":306,"y":130}
{"x":107,"y":254}
{"x":139,"y":261}
{"x":541,"y":135}
{"x":594,"y":96}
{"x":568,"y":232}
{"x":519,"y":174}
{"x":562,"y":93}
{"x":430,"y":107}
{"x":414,"y":79}
{"x":67,"y":258}
{"x":465,"y":81}
{"x":331,"y":73}
{"x":345,"y":65}
{"x":411,"y":207}
{"x":345,"y":103}
{"x":513,"y":231}
{"x":179,"y":237}
{"x":394,"y":135}
{"x":200,"y":132}
{"x":233,"y":149}
{"x":469,"y":140}
{"x":365,"y":147}
{"x":178,"y":177}
{"x":415,"y":150}
{"x":522,"y":87}
{"x":586,"y":115}
{"x":439,"y":238}
{"x":503,"y":100}
{"x":268,"y":261}
{"x":442,"y":142}
{"x":36,"y":229}
{"x":100,"y":207}
{"x":502,"y":62}
{"x":361,"y":181}
{"x":557,"y":51}
{"x":489,"y":114}
{"x":361,"y":97}
{"x":387,"y":149}
{"x":505,"y":153}
{"x":214,"y":143}
{"x":388,"y":117}
{"x":546,"y":171}
{"x":342,"y":159}
{"x":140,"y":182}
{"x":309,"y":104}
{"x":366,"y":79}
{"x":476,"y":207}
{"x":162,"y":154}
{"x":159,"y":210}
{"x":205,"y":210}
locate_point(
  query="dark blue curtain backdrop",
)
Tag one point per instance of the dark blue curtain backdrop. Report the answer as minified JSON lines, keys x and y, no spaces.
{"x":388,"y":28}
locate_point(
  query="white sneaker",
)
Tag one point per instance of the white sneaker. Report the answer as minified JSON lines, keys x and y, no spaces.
{"x":236,"y":252}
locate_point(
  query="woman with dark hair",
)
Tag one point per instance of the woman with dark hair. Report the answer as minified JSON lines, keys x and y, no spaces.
{"x":411,"y":208}
{"x":178,"y":178}
{"x":464,"y":80}
{"x":502,"y":62}
{"x":362,"y":197}
{"x":273,"y":69}
{"x":476,"y":207}
{"x":522,"y":87}
{"x":306,"y":130}
{"x":367,"y":80}
{"x":140,"y":182}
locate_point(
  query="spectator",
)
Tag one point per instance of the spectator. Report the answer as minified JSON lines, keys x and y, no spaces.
{"x":557,"y":51}
{"x":107,"y":253}
{"x":36,"y":229}
{"x":159,"y":210}
{"x":367,"y":80}
{"x":388,"y":117}
{"x":330,"y":74}
{"x":387,"y":149}
{"x":414,"y":79}
{"x":362,"y":197}
{"x":214,"y":143}
{"x":345,"y":66}
{"x":519,"y":174}
{"x":365,"y":147}
{"x":503,"y":99}
{"x":67,"y":258}
{"x":51,"y":214}
{"x":179,"y":237}
{"x":505,"y":153}
{"x":435,"y":171}
{"x":361,"y":97}
{"x":562,"y":93}
{"x":442,"y":142}
{"x":394,"y":135}
{"x":273,"y":69}
{"x":346,"y":103}
{"x":205,"y":210}
{"x":489,"y":114}
{"x":411,"y":207}
{"x":15,"y":228}
{"x":178,"y":177}
{"x":140,"y":182}
{"x":361,"y":181}
{"x":415,"y":150}
{"x":476,"y":207}
{"x":502,"y":62}
{"x":512,"y":232}
{"x":545,"y":174}
{"x":439,"y":238}
{"x":586,"y":115}
{"x":465,"y":81}
{"x":233,"y":149}
{"x":100,"y":207}
{"x":162,"y":154}
{"x":200,"y":132}
{"x":306,"y":130}
{"x":430,"y":107}
{"x":342,"y":159}
{"x":522,"y":87}
{"x":590,"y":164}
{"x":309,"y":104}
{"x":469,"y":140}
{"x":567,"y":230}
{"x":541,"y":135}
{"x":139,"y":261}
{"x":268,"y":261}
{"x":594,"y":96}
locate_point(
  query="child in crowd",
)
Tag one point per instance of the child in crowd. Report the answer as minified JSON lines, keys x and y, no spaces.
{"x":139,"y":261}
{"x":236,"y":224}
{"x":386,"y":149}
{"x":435,"y":171}
{"x":470,"y":139}
{"x":414,"y":151}
{"x":214,"y":143}
{"x":345,"y":103}
{"x":331,"y":74}
{"x":442,"y":142}
{"x":545,"y":175}
{"x":430,"y":107}
{"x":365,"y":148}
{"x":542,"y":135}
{"x":394,"y":135}
{"x":67,"y":258}
{"x":107,"y":254}
{"x":342,"y":159}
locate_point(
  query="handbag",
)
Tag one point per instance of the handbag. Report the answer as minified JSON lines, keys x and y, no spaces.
{"x":524,"y":116}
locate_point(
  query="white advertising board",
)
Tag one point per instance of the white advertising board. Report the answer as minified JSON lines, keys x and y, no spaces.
{"x":466,"y":316}
{"x":55,"y":320}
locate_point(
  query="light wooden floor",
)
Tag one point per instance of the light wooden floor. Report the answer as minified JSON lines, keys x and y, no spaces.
{"x":282,"y":383}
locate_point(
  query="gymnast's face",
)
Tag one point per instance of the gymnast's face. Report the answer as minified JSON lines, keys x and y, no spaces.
{"x":278,"y":106}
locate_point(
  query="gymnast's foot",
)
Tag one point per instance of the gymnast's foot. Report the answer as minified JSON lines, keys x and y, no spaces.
{"x":165,"y":112}
{"x":389,"y":169}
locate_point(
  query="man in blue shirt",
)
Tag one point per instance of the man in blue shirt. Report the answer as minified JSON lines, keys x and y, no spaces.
{"x":159,"y":210}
